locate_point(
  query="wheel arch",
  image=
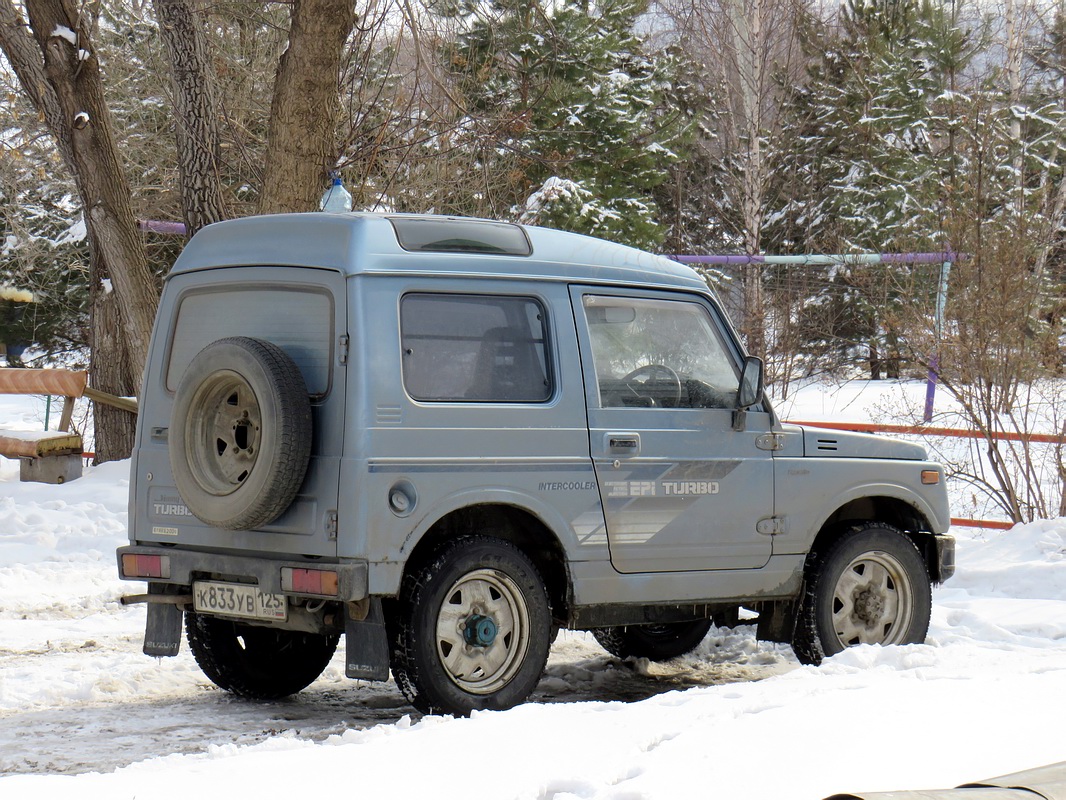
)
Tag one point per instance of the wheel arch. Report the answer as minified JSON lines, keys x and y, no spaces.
{"x":510,"y":523}
{"x":891,"y":510}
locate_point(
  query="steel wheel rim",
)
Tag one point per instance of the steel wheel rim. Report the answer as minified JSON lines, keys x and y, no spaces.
{"x":225,"y":424}
{"x":479,"y":602}
{"x":873,"y":601}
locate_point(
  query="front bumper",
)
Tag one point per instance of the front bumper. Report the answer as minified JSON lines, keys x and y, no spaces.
{"x":945,"y":557}
{"x":185,"y":566}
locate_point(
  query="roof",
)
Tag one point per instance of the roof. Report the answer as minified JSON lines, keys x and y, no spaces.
{"x":366,"y":243}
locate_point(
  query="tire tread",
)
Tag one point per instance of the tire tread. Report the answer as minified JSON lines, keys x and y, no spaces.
{"x":413,"y":670}
{"x":644,"y":641}
{"x":268,"y":670}
{"x":807,"y":642}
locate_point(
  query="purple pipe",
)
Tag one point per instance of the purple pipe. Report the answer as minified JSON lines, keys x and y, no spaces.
{"x":157,"y":226}
{"x":856,"y":258}
{"x":719,"y":259}
{"x":930,"y":386}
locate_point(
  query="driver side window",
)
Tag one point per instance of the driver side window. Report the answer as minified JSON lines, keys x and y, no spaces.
{"x":652,"y":353}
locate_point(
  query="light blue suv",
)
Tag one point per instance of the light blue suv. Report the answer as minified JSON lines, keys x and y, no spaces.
{"x":448,"y":438}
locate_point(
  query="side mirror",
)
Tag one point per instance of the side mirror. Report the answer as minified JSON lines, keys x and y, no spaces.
{"x":751,"y":385}
{"x":750,"y":391}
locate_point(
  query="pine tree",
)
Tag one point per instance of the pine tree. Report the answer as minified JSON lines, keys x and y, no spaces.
{"x":866,"y":164}
{"x":868,"y":175}
{"x":568,"y":113}
{"x":43,"y":252}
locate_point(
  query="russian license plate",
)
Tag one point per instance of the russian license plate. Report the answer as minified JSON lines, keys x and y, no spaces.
{"x":238,"y":600}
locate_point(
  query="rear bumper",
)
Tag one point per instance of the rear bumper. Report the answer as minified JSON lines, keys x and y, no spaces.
{"x":185,"y":566}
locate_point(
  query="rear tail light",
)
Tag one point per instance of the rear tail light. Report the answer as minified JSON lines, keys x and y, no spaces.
{"x":142,"y":566}
{"x":309,"y":581}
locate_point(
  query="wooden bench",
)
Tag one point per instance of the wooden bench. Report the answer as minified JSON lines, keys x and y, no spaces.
{"x":51,"y":456}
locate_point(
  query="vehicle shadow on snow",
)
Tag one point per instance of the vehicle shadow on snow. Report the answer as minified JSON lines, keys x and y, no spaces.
{"x":578,"y":670}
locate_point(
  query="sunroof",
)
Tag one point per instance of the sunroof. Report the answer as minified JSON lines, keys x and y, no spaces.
{"x":424,"y":235}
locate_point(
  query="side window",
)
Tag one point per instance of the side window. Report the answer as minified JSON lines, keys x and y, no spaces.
{"x":474,"y":348}
{"x":658,"y":354}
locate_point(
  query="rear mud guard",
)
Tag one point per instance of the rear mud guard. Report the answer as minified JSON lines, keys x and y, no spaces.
{"x":162,"y":628}
{"x":366,"y":646}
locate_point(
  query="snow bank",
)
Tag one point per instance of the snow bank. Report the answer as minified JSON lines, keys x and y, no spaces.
{"x":870,"y":719}
{"x":985,"y":695}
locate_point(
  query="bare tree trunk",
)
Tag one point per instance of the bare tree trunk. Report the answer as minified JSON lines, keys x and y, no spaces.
{"x":746,"y":26}
{"x":195,"y":113}
{"x":1062,"y":476}
{"x":113,"y":428}
{"x":1015,"y":43}
{"x":745,"y":46}
{"x":73,"y":72}
{"x":301,"y":139}
{"x":24,"y":56}
{"x":59,"y":71}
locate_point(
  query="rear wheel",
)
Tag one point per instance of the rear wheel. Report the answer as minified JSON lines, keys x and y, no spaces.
{"x":472,"y":628}
{"x":870,"y":586}
{"x":660,"y":642}
{"x":257,"y":662}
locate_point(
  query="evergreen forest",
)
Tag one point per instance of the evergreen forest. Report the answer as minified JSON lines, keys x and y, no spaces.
{"x":747,"y":127}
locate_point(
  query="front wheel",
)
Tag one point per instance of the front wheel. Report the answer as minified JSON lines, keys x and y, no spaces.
{"x":472,"y":628}
{"x":870,"y":586}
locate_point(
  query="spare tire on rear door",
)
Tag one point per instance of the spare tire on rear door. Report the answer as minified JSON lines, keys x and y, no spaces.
{"x":240,"y":434}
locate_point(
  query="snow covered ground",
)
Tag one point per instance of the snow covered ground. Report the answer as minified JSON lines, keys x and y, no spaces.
{"x":84,"y":714}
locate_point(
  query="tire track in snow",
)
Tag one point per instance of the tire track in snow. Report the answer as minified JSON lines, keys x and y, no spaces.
{"x":120,"y":706}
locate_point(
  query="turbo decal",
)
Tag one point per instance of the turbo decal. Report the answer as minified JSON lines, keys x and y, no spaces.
{"x":170,"y":508}
{"x":689,"y":488}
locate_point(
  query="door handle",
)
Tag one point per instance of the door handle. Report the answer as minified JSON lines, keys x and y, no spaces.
{"x":623,"y":444}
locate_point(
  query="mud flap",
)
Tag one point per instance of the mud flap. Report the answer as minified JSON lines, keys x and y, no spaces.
{"x":777,"y":621}
{"x":162,"y":631}
{"x":366,"y":647}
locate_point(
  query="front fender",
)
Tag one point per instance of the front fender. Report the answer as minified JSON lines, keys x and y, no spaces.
{"x":808,"y":510}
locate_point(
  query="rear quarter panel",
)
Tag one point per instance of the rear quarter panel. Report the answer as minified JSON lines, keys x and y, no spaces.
{"x":449,"y":455}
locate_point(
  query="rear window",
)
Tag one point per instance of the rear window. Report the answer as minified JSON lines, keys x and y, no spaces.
{"x":461,"y":236}
{"x":474,"y":348}
{"x":298,"y":320}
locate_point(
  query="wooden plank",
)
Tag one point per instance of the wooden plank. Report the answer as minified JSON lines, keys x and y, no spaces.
{"x":995,"y":524}
{"x":125,"y":403}
{"x":68,"y":414}
{"x":23,"y":444}
{"x":64,"y":382}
